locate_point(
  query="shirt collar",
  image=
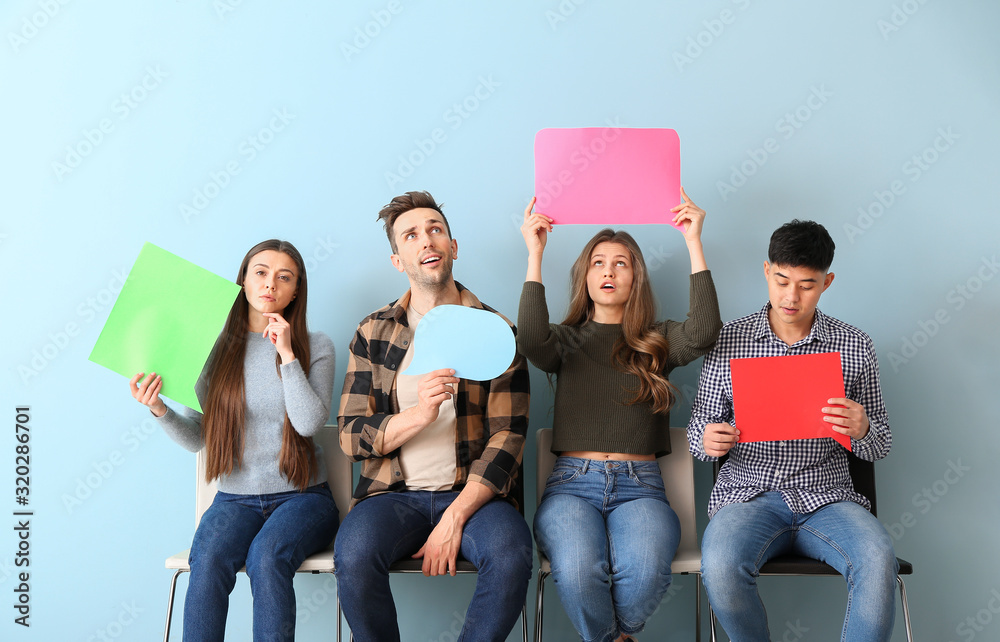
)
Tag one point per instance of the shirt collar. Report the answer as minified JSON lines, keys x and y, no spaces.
{"x":397,"y":309}
{"x":820,"y":330}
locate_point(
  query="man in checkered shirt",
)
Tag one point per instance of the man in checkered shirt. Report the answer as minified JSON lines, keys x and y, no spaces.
{"x":772,"y":498}
{"x":440,"y":455}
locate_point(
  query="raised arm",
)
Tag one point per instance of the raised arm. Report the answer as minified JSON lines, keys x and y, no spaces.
{"x":535,"y":339}
{"x":697,"y":334}
{"x":691,"y":218}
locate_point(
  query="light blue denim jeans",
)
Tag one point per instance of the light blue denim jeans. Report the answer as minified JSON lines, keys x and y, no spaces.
{"x":741,"y":537}
{"x":271,"y":535}
{"x":392,"y":526}
{"x":610,"y":535}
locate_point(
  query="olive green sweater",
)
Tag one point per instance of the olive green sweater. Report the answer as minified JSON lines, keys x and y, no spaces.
{"x":591,"y":409}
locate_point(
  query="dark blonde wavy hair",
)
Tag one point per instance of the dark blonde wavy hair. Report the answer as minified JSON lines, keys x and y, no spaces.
{"x":642,"y":351}
{"x":225,"y":409}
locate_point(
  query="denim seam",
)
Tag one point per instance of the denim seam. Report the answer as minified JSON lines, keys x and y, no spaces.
{"x":849,"y":577}
{"x":766,"y":546}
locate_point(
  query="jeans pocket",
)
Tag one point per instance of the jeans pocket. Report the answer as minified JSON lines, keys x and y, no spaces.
{"x":561,"y":476}
{"x":648,"y":479}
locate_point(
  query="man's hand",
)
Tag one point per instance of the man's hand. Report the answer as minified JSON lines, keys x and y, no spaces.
{"x":440,"y":551}
{"x":719,"y":439}
{"x":433,"y":389}
{"x":848,"y":417}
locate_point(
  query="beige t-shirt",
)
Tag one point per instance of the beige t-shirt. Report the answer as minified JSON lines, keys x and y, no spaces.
{"x":428,"y":460}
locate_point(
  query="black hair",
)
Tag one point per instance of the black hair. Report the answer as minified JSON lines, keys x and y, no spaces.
{"x":801,"y":244}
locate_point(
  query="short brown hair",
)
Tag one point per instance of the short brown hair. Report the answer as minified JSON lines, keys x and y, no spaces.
{"x":403,"y":204}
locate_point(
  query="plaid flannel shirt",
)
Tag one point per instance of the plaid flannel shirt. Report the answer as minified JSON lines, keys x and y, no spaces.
{"x":809,"y":473}
{"x":492,"y":416}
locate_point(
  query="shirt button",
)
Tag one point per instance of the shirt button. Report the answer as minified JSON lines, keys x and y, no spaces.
{"x":406,"y":343}
{"x":392,"y":366}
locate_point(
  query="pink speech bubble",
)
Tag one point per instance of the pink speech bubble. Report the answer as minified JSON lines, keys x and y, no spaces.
{"x":607,"y":175}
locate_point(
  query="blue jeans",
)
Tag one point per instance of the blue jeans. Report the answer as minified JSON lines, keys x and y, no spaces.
{"x":270,"y":535}
{"x":741,"y":537}
{"x":610,"y":535}
{"x":392,"y":526}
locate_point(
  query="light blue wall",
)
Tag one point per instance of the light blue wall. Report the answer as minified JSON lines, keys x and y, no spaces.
{"x":204,"y":77}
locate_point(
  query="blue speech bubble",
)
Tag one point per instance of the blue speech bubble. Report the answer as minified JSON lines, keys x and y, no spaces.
{"x":476,"y":344}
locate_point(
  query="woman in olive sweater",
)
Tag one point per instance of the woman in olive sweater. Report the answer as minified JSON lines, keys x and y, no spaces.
{"x":604,"y":521}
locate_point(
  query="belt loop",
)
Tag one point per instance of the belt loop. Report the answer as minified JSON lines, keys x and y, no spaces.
{"x":631,"y":470}
{"x":586,"y":465}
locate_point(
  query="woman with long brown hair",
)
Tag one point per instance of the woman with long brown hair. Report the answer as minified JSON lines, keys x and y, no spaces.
{"x":266,"y":390}
{"x":604,"y":521}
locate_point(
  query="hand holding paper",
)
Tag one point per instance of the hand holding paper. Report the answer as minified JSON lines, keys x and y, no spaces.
{"x":849,"y":417}
{"x":147,"y":392}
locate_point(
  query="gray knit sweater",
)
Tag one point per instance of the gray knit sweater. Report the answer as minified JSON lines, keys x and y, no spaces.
{"x":307,"y":401}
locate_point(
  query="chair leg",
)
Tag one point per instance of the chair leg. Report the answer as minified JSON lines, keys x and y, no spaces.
{"x":339,"y":618}
{"x":697,"y":607}
{"x":711,"y":622}
{"x":906,"y":609}
{"x":170,"y":604}
{"x":538,"y":605}
{"x":524,"y":621}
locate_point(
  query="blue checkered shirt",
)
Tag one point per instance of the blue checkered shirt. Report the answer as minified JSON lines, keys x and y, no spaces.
{"x":809,"y":473}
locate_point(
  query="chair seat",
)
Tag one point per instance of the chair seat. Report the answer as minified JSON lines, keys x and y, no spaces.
{"x":798,"y":565}
{"x":321,"y":562}
{"x":416,"y":566}
{"x":684,"y":562}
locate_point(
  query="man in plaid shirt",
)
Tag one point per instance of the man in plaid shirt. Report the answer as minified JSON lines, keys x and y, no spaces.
{"x":440,"y":455}
{"x":795,"y":496}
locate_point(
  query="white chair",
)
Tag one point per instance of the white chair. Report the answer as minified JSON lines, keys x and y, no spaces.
{"x":677,"y":469}
{"x":338,"y":469}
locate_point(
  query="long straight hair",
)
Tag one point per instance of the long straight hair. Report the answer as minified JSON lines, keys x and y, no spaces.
{"x":642,"y":350}
{"x":225,"y":411}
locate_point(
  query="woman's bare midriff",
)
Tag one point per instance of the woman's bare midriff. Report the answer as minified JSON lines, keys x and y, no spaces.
{"x":591,"y":454}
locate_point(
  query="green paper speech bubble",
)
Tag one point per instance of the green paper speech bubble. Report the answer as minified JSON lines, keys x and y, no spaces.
{"x":166,"y":320}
